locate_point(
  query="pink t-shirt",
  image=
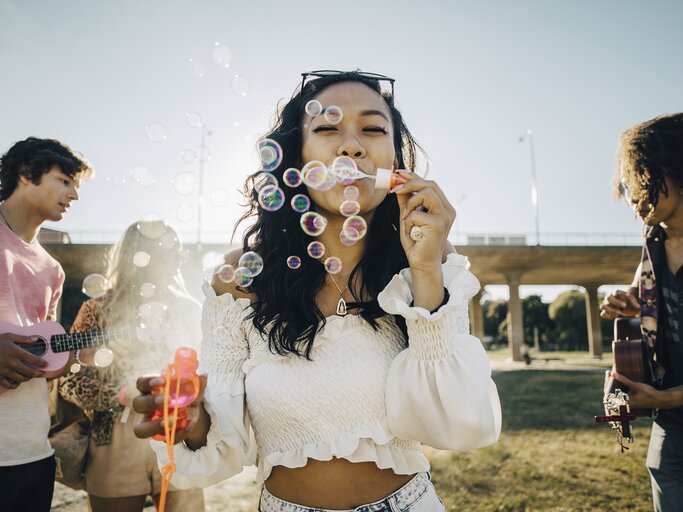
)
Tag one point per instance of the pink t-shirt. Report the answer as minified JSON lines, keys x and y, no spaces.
{"x":30,"y":287}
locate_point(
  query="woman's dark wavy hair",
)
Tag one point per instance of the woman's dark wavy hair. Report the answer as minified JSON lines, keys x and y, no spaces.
{"x":285,"y":307}
{"x":648,"y":152}
{"x":34,"y":157}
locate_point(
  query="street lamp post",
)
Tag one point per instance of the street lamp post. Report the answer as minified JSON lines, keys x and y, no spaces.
{"x":529,"y":135}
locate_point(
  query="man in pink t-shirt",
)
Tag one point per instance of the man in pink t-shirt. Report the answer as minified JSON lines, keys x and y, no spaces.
{"x":39,"y":178}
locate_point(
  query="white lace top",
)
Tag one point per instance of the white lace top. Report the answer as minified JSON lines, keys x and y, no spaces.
{"x":363,"y":397}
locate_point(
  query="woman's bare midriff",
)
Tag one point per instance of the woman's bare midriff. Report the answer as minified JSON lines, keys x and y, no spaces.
{"x":334,"y":484}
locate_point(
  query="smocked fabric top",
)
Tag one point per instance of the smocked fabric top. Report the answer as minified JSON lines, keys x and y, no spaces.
{"x":363,"y":396}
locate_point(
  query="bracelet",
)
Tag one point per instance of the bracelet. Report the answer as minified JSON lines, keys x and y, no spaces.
{"x":78,"y":358}
{"x":446,"y":298}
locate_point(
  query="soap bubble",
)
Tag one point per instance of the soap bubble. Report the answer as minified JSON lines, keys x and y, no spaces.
{"x":147,"y":290}
{"x":221,"y":54}
{"x":141,"y":259}
{"x":168,"y":240}
{"x":358,"y":223}
{"x":194,"y":119}
{"x":351,"y":193}
{"x":313,"y":223}
{"x":270,"y":153}
{"x":196,"y":67}
{"x":264,"y":179}
{"x":240,"y":85}
{"x":95,"y":285}
{"x":155,"y":132}
{"x":271,"y":198}
{"x":344,"y":170}
{"x":143,"y":176}
{"x":184,"y":213}
{"x":349,"y":236}
{"x":251,"y":261}
{"x":103,"y":357}
{"x":203,"y":153}
{"x":185,"y":183}
{"x":293,"y":262}
{"x":333,"y":265}
{"x":226,"y":273}
{"x":313,"y":108}
{"x":151,"y":225}
{"x":242,"y":277}
{"x":292,"y":177}
{"x":300,"y":203}
{"x":333,"y":114}
{"x":349,"y":208}
{"x":314,"y":174}
{"x":316,"y":250}
{"x":188,"y":156}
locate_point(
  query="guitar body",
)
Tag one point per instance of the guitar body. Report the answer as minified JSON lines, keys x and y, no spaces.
{"x":42,"y":347}
{"x":631,"y":359}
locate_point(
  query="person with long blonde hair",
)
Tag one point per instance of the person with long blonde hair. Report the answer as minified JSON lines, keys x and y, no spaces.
{"x":147,"y":298}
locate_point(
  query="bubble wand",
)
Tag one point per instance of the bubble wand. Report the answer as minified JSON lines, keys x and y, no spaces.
{"x":384,"y":179}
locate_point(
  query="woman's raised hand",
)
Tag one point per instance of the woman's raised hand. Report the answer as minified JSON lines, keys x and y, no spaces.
{"x":146,"y":403}
{"x":434,"y":218}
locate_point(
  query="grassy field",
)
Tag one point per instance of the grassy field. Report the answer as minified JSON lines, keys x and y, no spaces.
{"x":551,"y":456}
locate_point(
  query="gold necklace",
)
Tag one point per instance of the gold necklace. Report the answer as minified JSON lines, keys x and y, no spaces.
{"x":341,"y":305}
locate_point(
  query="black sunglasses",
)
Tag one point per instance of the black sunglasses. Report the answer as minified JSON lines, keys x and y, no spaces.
{"x":330,"y":72}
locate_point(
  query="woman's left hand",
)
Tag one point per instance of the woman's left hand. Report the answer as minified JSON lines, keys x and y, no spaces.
{"x":434,"y":219}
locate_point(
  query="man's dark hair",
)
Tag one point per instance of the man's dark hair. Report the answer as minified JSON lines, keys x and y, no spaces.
{"x":649,"y":152}
{"x":34,"y":157}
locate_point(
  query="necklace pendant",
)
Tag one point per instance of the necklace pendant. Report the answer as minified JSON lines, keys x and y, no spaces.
{"x":341,"y":307}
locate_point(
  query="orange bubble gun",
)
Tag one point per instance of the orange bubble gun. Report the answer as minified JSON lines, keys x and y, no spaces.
{"x":180,"y":389}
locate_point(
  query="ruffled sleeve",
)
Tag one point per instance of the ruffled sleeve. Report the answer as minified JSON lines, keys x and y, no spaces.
{"x":439,"y":390}
{"x":230,"y":444}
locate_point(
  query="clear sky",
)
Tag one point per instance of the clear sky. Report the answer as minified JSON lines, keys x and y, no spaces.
{"x":472,"y":76}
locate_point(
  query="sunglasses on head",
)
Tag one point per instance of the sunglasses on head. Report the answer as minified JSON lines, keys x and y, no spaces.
{"x":331,"y":72}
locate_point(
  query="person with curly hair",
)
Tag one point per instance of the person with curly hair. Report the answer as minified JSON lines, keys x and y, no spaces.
{"x":650,"y":177}
{"x":39,"y":179}
{"x":351,"y":347}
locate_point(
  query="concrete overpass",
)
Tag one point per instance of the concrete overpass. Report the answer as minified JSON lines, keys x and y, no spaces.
{"x":589,"y":267}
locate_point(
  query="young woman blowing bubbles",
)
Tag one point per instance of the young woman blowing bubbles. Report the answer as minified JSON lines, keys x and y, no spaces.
{"x":339,"y":404}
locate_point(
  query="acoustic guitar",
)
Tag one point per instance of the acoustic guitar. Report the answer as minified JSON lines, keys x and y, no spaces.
{"x":53,"y":344}
{"x":632,"y":358}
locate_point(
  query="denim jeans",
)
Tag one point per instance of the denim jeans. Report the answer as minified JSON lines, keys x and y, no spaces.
{"x":665,"y":464}
{"x":418,"y":495}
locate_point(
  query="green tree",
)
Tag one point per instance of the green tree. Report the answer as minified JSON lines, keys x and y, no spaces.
{"x":495,"y":313}
{"x":536,"y":315}
{"x":568,"y":311}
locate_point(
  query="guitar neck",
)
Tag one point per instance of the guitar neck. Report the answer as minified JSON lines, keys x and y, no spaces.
{"x":80,"y":340}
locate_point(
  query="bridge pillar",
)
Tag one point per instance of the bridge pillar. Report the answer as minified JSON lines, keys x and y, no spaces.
{"x":477,"y":316}
{"x":593,"y":318}
{"x":515,"y":318}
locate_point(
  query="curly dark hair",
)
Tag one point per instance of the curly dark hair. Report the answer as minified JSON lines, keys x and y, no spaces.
{"x":34,"y":157}
{"x":285,"y":307}
{"x":649,"y":152}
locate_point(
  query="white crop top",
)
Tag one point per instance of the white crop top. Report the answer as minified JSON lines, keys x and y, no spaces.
{"x":362,"y":397}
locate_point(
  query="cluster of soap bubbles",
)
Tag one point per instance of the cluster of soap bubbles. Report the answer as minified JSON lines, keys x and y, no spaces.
{"x":249,"y":266}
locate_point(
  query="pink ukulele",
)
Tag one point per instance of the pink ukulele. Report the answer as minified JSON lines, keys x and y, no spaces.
{"x":53,"y":344}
